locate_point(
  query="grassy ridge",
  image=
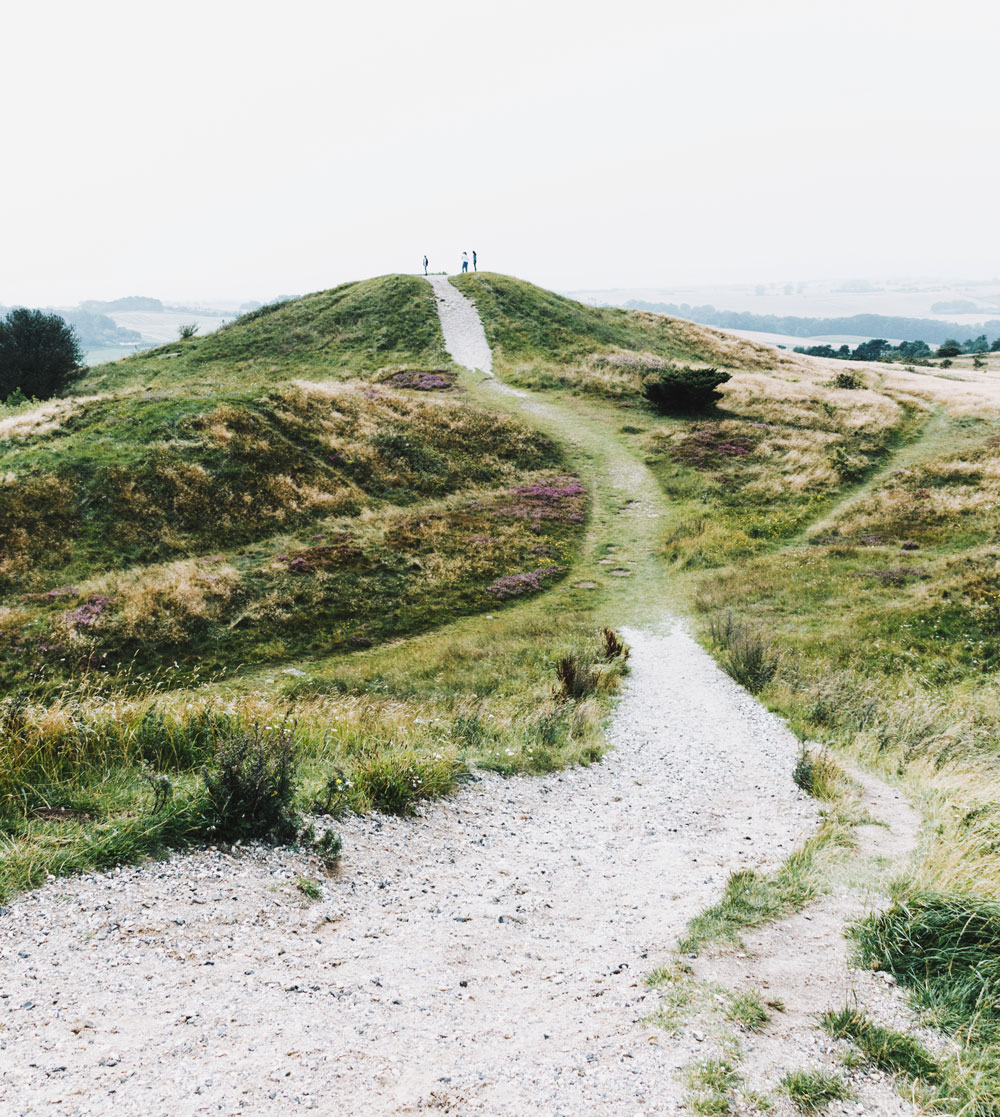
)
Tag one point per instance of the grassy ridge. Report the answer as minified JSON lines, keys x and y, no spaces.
{"x":243,"y":529}
{"x":350,"y":330}
{"x":543,"y":340}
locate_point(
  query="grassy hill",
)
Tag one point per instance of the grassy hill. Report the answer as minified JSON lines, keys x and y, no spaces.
{"x":543,"y":340}
{"x":353,"y":329}
{"x":287,"y":524}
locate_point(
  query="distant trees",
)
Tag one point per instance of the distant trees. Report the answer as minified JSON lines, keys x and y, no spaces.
{"x":950,"y":348}
{"x":878,"y":349}
{"x":39,"y":354}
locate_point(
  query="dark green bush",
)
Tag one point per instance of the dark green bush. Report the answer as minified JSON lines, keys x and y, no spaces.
{"x":848,"y":380}
{"x":251,"y":786}
{"x":681,"y":390}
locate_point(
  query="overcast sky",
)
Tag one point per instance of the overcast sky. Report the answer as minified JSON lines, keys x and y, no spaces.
{"x":217,"y":149}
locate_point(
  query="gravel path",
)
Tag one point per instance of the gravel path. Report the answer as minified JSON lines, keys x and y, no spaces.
{"x":464,"y":337}
{"x":487,"y":957}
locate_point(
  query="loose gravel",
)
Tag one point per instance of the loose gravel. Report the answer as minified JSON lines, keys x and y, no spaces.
{"x":487,"y":956}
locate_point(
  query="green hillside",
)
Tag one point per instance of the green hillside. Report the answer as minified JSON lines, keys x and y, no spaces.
{"x":543,"y":340}
{"x":353,"y":329}
{"x":248,"y":528}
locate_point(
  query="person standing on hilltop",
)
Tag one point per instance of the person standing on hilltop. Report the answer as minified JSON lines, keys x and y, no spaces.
{"x":425,"y":265}
{"x":475,"y":261}
{"x":465,"y":261}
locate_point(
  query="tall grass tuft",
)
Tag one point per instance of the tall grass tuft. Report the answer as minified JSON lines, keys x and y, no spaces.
{"x":946,"y":949}
{"x":747,"y":655}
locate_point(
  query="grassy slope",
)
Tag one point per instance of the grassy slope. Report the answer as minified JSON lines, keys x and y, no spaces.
{"x":353,"y":329}
{"x":543,"y":340}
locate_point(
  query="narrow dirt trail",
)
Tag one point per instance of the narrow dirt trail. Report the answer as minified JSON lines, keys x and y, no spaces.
{"x":487,"y":956}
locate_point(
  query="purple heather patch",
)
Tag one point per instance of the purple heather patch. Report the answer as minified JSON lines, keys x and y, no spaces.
{"x":422,"y":380}
{"x":560,"y":499}
{"x":63,"y":591}
{"x":514,"y":585}
{"x":87,"y":613}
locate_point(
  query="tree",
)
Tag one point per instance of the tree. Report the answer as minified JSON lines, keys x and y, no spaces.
{"x":39,"y":354}
{"x":871,"y":350}
{"x":950,"y":348}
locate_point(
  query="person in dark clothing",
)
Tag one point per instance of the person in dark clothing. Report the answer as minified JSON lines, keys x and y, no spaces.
{"x":425,"y":265}
{"x":475,"y":260}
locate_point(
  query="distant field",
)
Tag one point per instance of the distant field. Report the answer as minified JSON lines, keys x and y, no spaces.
{"x":158,"y":327}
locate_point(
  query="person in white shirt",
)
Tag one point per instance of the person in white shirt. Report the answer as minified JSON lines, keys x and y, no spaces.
{"x":465,"y":261}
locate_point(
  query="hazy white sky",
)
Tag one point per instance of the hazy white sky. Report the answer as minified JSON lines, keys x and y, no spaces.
{"x":245,"y":149}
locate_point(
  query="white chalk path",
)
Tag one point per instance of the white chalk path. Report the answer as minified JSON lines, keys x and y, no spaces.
{"x":464,"y":337}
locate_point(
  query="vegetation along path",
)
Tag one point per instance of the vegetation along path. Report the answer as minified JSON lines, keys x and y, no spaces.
{"x":487,"y":956}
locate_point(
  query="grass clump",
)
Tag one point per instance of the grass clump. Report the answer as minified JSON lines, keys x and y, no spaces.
{"x":818,"y":775}
{"x":713,"y":1083}
{"x":747,"y":655}
{"x":309,"y":888}
{"x":251,"y":785}
{"x":751,"y":898}
{"x":811,"y":1091}
{"x":749,"y":1010}
{"x":946,"y":950}
{"x":889,"y":1050}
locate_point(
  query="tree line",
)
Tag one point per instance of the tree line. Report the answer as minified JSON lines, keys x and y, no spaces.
{"x":878,"y":349}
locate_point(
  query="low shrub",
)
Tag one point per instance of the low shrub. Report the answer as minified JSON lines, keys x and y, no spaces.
{"x":329,"y":848}
{"x":251,"y":785}
{"x":671,"y":390}
{"x":849,"y":380}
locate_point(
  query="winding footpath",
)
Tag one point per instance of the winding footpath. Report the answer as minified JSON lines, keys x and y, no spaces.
{"x":487,"y":956}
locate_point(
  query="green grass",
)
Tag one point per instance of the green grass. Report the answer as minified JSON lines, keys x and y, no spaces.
{"x":891,"y":652}
{"x":891,"y":1051}
{"x":946,"y":951}
{"x":245,"y":529}
{"x":751,"y":898}
{"x":748,"y":1010}
{"x":543,"y":340}
{"x":356,"y":328}
{"x":812,"y":1091}
{"x":712,"y":1083}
